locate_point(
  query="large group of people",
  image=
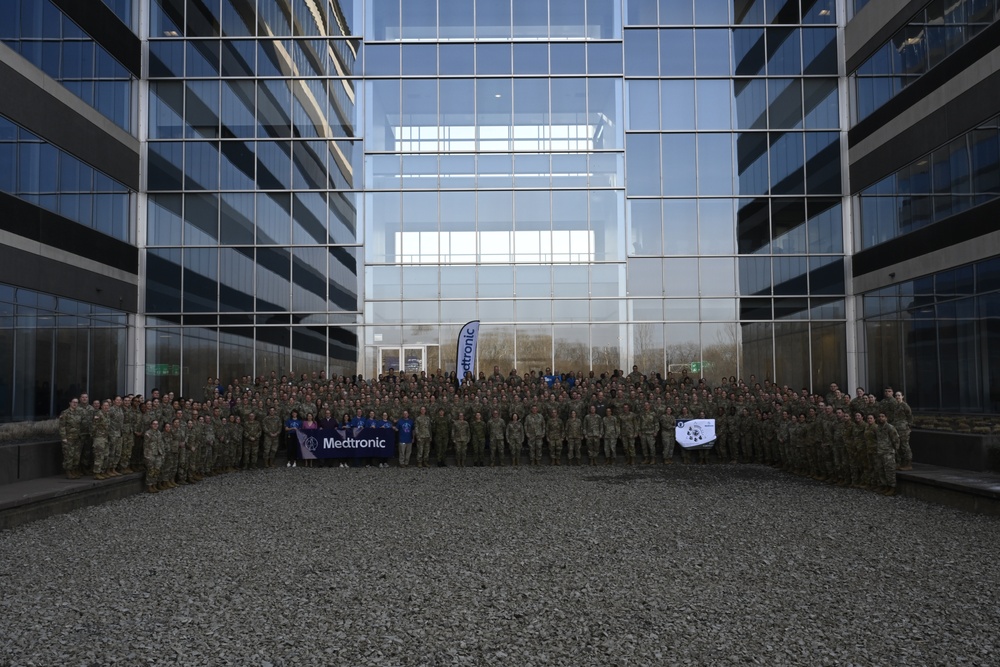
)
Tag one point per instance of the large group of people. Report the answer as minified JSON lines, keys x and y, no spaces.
{"x":492,"y":420}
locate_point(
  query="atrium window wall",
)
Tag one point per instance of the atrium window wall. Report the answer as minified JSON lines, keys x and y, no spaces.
{"x":936,"y":335}
{"x":660,"y":188}
{"x":53,"y":349}
{"x":255,"y":169}
{"x":733,"y":172}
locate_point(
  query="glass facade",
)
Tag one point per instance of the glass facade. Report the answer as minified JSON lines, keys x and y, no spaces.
{"x":38,"y":172}
{"x":46,"y":37}
{"x":933,"y":34}
{"x":339,"y":186}
{"x":53,"y":349}
{"x":255,"y":176}
{"x":936,"y":336}
{"x":660,"y":187}
{"x":956,"y":177}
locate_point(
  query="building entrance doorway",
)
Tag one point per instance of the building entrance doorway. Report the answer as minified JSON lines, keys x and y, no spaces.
{"x":407,"y":359}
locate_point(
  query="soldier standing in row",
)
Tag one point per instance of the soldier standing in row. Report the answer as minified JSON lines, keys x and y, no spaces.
{"x":534,"y":432}
{"x":593,"y":430}
{"x":611,"y":432}
{"x":422,"y":426}
{"x":152,"y":453}
{"x":649,"y":426}
{"x":515,"y":438}
{"x":574,"y":436}
{"x":99,"y":430}
{"x":69,"y":433}
{"x":460,"y":436}
{"x":497,"y":427}
{"x":478,"y":429}
{"x":555,"y":433}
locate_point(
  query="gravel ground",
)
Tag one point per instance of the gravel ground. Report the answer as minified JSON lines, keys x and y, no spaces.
{"x":713,"y":565}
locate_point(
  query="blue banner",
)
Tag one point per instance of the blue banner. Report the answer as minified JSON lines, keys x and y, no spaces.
{"x":347,"y":443}
{"x":465,"y":352}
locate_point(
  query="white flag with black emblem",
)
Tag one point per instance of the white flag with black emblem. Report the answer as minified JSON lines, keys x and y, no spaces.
{"x":695,"y":433}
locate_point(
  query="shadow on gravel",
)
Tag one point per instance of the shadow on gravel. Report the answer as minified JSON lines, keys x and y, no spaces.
{"x":697,"y":475}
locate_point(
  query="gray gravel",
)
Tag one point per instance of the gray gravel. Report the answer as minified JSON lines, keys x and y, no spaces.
{"x":712,"y":565}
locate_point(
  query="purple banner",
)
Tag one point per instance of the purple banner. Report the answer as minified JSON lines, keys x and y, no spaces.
{"x":347,"y":443}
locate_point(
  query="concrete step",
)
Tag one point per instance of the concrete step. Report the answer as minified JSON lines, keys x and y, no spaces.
{"x":20,"y":462}
{"x":977,"y":492}
{"x":40,"y":498}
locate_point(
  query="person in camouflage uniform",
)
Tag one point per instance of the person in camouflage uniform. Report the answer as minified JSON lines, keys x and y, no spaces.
{"x":611,"y":432}
{"x":497,"y":429}
{"x":69,"y":434}
{"x":460,"y":436}
{"x":668,"y":423}
{"x":515,"y":438}
{"x":722,"y":435}
{"x":649,"y":427}
{"x":186,"y":452}
{"x":152,"y":452}
{"x":555,"y":433}
{"x":442,"y":431}
{"x":574,"y":436}
{"x":116,"y":421}
{"x":168,"y":468}
{"x":534,"y":432}
{"x":86,"y":437}
{"x":422,"y":434}
{"x":887,"y":443}
{"x":628,"y":425}
{"x":251,"y":441}
{"x":904,"y":419}
{"x":478,"y":428}
{"x":593,"y":430}
{"x":99,"y":431}
{"x":272,"y":427}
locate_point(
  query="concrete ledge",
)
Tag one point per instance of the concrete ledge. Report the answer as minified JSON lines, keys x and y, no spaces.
{"x":21,"y":462}
{"x":966,"y":451}
{"x":36,"y":499}
{"x":972,"y":492}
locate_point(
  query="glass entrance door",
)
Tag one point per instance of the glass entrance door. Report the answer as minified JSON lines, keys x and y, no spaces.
{"x":410,"y":359}
{"x":414,"y":360}
{"x":388,"y":359}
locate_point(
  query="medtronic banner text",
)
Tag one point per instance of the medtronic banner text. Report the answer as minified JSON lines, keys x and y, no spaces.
{"x":339,"y":443}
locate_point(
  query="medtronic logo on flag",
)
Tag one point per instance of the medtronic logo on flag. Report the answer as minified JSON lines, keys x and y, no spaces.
{"x":466,"y":354}
{"x":695,"y":433}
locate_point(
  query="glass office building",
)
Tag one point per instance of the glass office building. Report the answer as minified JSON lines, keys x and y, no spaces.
{"x":301,"y":185}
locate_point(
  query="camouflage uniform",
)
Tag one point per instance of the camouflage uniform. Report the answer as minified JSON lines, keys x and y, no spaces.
{"x":100,"y":430}
{"x":442,"y":430}
{"x":515,"y":439}
{"x":555,"y":433}
{"x":887,"y":443}
{"x":574,"y":436}
{"x":611,"y":433}
{"x":116,"y":420}
{"x":69,"y":434}
{"x":593,"y":429}
{"x":629,"y":427}
{"x":478,"y":428}
{"x":649,"y":427}
{"x":534,"y":431}
{"x":271,"y":426}
{"x":152,"y":453}
{"x":497,"y":426}
{"x":251,"y":442}
{"x":422,"y":434}
{"x":460,"y":436}
{"x":667,"y":425}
